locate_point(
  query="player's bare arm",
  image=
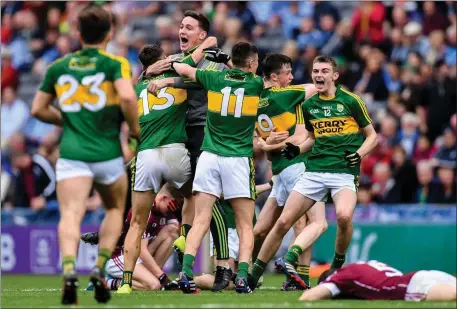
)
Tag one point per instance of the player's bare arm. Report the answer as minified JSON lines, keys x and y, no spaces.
{"x":371,"y":140}
{"x":310,"y":90}
{"x":185,"y":70}
{"x":44,"y":111}
{"x":148,"y":259}
{"x":291,"y":150}
{"x":300,"y":135}
{"x":159,"y":67}
{"x":317,"y":293}
{"x":262,"y":188}
{"x":129,"y":107}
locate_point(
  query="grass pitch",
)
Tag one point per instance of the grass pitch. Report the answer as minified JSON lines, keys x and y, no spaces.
{"x":44,"y":292}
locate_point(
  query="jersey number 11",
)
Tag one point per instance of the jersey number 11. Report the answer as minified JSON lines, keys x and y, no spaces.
{"x":239,"y":93}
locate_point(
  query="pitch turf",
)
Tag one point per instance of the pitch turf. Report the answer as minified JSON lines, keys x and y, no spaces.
{"x":44,"y":292}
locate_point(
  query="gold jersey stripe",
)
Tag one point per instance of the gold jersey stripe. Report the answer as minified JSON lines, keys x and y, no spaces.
{"x":334,"y":126}
{"x":299,"y":114}
{"x":83,"y":95}
{"x":360,"y":102}
{"x":249,"y":106}
{"x":125,"y":65}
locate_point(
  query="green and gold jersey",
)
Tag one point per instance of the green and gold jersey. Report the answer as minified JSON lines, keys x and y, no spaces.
{"x":233,"y":97}
{"x":280,"y":108}
{"x":83,"y":83}
{"x":163,"y":117}
{"x":230,"y":215}
{"x":336,"y":123}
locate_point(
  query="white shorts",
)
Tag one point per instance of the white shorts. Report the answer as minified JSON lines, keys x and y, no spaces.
{"x":105,"y":172}
{"x":234,"y":176}
{"x":152,"y":167}
{"x":115,"y":266}
{"x":423,"y":281}
{"x":284,"y":182}
{"x":233,"y":243}
{"x":317,"y":186}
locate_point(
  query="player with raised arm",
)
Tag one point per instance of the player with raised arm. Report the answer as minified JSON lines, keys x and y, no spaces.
{"x":162,"y":155}
{"x":193,"y":30}
{"x":226,"y":164}
{"x":280,"y":120}
{"x":340,"y":135}
{"x":373,"y":280}
{"x":95,"y":95}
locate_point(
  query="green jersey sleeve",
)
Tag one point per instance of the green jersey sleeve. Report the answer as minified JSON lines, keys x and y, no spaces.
{"x":299,"y":114}
{"x":308,"y":125}
{"x":121,"y":69}
{"x":188,"y":60}
{"x":206,"y":77}
{"x":360,"y":112}
{"x":47,"y":85}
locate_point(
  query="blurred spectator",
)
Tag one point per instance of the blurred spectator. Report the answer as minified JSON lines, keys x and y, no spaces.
{"x":291,"y":18}
{"x":385,"y":189}
{"x":451,"y":49}
{"x":408,"y":133}
{"x":62,"y":48}
{"x":399,"y":51}
{"x":446,"y":176}
{"x":437,"y":48}
{"x":327,"y":24}
{"x":325,"y":8}
{"x":309,"y":36}
{"x":428,"y":192}
{"x":10,"y":77}
{"x":440,"y":98}
{"x":341,"y":43}
{"x":300,"y":69}
{"x":404,"y":174}
{"x":414,"y":40}
{"x":268,"y":37}
{"x":368,"y":21}
{"x":364,"y":195}
{"x":15,"y":113}
{"x":372,"y":82}
{"x":233,"y":34}
{"x":433,"y":19}
{"x":399,"y":18}
{"x":447,"y":154}
{"x":424,"y":150}
{"x":241,"y":11}
{"x":391,"y":75}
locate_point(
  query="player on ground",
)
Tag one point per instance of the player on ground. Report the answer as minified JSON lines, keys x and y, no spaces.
{"x":162,"y":155}
{"x":95,"y":94}
{"x":280,"y":120}
{"x":340,"y":135}
{"x":374,"y":280}
{"x":226,"y":164}
{"x":193,"y":30}
{"x":156,"y":246}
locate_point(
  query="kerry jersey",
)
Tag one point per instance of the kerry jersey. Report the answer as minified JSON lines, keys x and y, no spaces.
{"x":281,"y":108}
{"x":233,"y":97}
{"x":162,"y":118}
{"x":336,"y":123}
{"x":83,"y":83}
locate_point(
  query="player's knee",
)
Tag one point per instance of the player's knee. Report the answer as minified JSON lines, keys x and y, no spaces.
{"x":323,"y":226}
{"x":283,"y":225}
{"x":260,"y":233}
{"x":152,"y":285}
{"x":173,"y":231}
{"x":344,"y":221}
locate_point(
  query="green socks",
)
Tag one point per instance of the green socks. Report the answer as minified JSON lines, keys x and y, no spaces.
{"x":127,"y":278}
{"x":338,"y":260}
{"x":293,"y":254}
{"x":185,"y":228}
{"x":242,"y":270}
{"x":68,"y":264}
{"x":257,"y":269}
{"x":303,"y":271}
{"x":103,"y":256}
{"x":188,"y":265}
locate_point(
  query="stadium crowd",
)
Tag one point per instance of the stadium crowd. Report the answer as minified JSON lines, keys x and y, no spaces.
{"x":400,"y":57}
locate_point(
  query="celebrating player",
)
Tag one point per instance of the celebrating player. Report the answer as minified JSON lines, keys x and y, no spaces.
{"x":226,"y":164}
{"x":192,"y":32}
{"x":374,"y":280}
{"x":162,"y":155}
{"x":280,"y":120}
{"x":95,"y":94}
{"x":340,"y":135}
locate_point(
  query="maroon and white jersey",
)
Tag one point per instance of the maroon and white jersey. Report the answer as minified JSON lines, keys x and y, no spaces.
{"x":156,"y":221}
{"x":370,"y":280}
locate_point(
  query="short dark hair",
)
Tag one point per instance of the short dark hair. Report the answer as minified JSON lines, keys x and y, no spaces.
{"x":203,"y":21}
{"x":326,"y":274}
{"x":94,"y":23}
{"x":326,"y":59}
{"x":273,"y":64}
{"x":149,"y":54}
{"x":241,"y":51}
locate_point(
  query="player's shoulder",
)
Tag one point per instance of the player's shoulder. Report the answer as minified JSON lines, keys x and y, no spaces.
{"x":313,"y":99}
{"x":289,"y":89}
{"x":349,"y":96}
{"x":62,"y":61}
{"x":113,"y":58}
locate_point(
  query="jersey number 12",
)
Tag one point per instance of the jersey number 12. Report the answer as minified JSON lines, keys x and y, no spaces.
{"x":239,"y":93}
